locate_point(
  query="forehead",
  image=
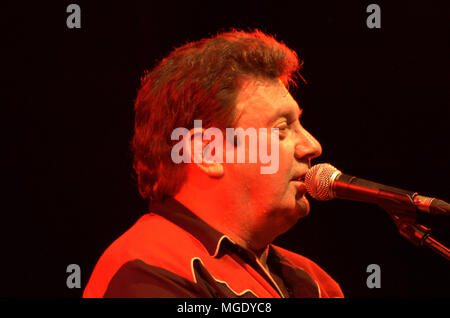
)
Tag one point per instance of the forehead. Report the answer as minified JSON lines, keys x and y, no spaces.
{"x":261,"y":102}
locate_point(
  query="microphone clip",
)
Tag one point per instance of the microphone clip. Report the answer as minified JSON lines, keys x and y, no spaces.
{"x":416,"y":233}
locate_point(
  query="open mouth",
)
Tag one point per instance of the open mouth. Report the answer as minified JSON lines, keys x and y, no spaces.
{"x":301,"y":178}
{"x":300,"y":185}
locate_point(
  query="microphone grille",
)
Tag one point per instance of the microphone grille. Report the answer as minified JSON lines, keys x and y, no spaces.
{"x":318,"y":181}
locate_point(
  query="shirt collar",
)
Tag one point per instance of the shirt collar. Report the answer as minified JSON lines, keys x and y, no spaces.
{"x":296,"y":280}
{"x":213,"y":240}
{"x":181,"y":216}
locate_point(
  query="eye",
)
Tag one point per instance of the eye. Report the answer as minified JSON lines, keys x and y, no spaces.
{"x":283,"y":126}
{"x":282,"y":130}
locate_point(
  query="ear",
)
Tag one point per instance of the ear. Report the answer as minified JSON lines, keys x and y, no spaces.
{"x":206,"y":152}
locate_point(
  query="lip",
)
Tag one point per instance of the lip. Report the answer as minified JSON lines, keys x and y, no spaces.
{"x":299,"y":177}
{"x":301,"y":186}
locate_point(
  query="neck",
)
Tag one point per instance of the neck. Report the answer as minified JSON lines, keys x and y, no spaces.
{"x":229,"y":218}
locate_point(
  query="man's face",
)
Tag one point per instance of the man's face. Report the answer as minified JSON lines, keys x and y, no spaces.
{"x":277,"y":200}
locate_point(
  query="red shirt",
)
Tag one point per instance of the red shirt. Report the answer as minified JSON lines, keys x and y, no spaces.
{"x":172,"y":253}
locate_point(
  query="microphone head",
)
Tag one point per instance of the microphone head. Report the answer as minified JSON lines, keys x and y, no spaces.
{"x":318,"y":181}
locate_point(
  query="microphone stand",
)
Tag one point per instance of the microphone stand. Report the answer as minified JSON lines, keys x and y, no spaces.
{"x":419,"y":235}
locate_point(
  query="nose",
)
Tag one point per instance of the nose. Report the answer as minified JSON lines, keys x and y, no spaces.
{"x":307,"y":147}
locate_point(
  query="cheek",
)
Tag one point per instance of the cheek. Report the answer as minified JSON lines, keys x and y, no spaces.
{"x":286,"y":157}
{"x":251,"y":175}
{"x":265,"y":187}
{"x":283,"y":172}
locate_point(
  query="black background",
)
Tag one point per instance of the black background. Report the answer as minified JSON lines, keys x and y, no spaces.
{"x":376,"y":99}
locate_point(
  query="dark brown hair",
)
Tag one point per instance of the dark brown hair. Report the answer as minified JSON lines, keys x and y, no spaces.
{"x":199,"y":80}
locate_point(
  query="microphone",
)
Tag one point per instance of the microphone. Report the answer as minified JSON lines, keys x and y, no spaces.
{"x":324,"y":182}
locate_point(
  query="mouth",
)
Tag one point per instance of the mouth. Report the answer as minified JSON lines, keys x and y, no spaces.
{"x":300,"y":184}
{"x":300,"y":177}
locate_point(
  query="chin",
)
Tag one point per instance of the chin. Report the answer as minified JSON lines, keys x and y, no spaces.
{"x":300,"y":210}
{"x":291,"y":216}
{"x":302,"y":206}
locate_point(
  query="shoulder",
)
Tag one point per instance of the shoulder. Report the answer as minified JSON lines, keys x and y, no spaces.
{"x":148,"y":241}
{"x":327,"y":285}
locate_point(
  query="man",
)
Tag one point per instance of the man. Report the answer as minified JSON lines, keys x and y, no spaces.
{"x":211,"y":224}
